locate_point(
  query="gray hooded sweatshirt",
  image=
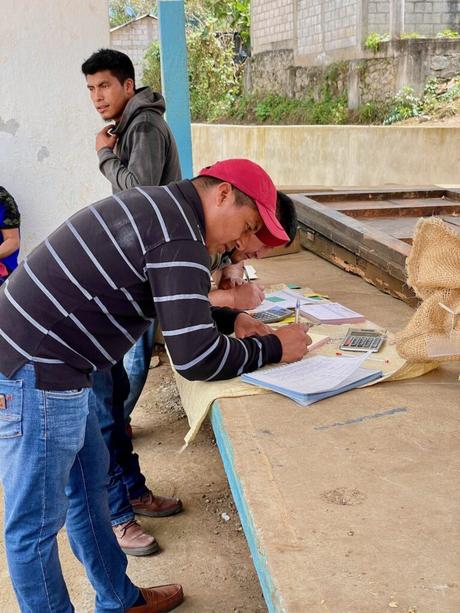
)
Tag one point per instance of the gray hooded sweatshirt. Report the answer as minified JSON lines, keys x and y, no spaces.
{"x":145,"y":153}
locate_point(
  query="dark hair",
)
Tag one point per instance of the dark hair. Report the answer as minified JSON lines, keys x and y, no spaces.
{"x":285,"y":212}
{"x":241,"y":199}
{"x":117,"y":62}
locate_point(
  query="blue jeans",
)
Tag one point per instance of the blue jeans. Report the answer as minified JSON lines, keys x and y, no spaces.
{"x":136,"y":363}
{"x":125,"y":479}
{"x":53,"y":467}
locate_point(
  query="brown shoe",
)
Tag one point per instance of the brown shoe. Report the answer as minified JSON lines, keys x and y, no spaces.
{"x":155,"y":506}
{"x":159,"y":599}
{"x":133,"y":540}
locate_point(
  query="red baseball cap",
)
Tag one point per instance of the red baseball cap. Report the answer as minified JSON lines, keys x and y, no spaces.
{"x":252,"y":180}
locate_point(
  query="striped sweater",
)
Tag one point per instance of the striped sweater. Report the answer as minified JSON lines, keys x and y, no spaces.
{"x":83,"y":296}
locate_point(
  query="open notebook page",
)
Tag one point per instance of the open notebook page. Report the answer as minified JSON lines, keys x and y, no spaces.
{"x":311,"y":375}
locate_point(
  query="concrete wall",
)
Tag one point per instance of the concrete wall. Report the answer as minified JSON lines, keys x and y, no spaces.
{"x":134,"y":39}
{"x":272,"y":24}
{"x":431,"y":17}
{"x":318,"y":32}
{"x":336,"y":155}
{"x":373,"y":76}
{"x":47,"y":122}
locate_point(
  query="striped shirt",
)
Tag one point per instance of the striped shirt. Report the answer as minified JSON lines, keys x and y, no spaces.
{"x":83,"y":296}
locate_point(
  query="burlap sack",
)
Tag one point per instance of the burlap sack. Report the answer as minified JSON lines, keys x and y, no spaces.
{"x":433,"y":271}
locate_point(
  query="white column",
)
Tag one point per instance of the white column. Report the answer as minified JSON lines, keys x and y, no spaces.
{"x":47,"y":122}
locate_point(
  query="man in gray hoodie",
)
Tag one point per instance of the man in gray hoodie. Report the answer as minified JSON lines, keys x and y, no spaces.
{"x":138,"y":149}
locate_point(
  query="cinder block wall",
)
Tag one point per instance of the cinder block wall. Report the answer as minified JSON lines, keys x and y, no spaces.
{"x":429,"y":18}
{"x":134,"y":39}
{"x":272,"y":24}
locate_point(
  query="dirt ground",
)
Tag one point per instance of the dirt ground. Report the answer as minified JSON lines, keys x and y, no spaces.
{"x":200,"y":549}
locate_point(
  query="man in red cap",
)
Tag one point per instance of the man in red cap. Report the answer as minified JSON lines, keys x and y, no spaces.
{"x":76,"y":305}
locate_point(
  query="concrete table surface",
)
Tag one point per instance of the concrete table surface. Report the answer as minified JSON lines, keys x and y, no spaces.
{"x":352,"y":504}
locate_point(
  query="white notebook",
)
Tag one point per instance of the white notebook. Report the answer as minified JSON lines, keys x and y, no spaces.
{"x":330,"y":313}
{"x":314,"y":378}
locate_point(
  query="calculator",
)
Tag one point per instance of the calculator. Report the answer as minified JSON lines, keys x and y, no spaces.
{"x":362,"y":340}
{"x":272,"y":315}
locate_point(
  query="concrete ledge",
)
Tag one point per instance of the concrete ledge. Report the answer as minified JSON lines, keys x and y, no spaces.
{"x":351,"y":156}
{"x":271,"y":594}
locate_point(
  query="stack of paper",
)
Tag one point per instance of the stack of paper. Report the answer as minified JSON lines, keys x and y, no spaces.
{"x":314,"y":378}
{"x":285,"y":298}
{"x":330,"y":313}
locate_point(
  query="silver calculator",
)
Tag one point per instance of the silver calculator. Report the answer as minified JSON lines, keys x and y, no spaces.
{"x":362,"y":340}
{"x":272,"y":315}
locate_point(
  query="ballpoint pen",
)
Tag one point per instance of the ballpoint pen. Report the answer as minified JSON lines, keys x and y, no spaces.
{"x":246,"y":274}
{"x":297,"y":311}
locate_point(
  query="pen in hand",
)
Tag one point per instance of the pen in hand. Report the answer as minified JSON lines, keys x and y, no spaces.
{"x":297,"y":311}
{"x":246,"y":274}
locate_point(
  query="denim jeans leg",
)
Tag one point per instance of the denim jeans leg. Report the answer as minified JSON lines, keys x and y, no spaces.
{"x":126,"y":458}
{"x":40,"y":436}
{"x":137,"y":362}
{"x":101,"y":397}
{"x":89,"y":528}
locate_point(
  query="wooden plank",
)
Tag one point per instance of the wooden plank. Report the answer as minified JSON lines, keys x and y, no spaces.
{"x":417,"y":208}
{"x":453,"y":221}
{"x":378,"y":194}
{"x":401,"y":228}
{"x":350,"y":262}
{"x":372,"y":245}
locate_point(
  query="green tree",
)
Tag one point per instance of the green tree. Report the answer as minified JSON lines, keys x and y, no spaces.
{"x":122,"y":11}
{"x":214,"y":79}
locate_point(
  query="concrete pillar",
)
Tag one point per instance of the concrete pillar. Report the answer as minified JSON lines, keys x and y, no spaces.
{"x":396,"y":18}
{"x":354,"y":97}
{"x":174,"y":78}
{"x":47,"y":122}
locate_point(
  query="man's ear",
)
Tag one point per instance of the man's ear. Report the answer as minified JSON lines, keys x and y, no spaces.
{"x":129,"y":86}
{"x":224,"y":191}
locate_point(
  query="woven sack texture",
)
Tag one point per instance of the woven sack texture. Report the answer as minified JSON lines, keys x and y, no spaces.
{"x":433,"y":271}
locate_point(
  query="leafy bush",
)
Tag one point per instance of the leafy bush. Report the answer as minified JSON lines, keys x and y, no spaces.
{"x":275,"y":109}
{"x":373,"y":112}
{"x":374,"y":40}
{"x":152,"y":67}
{"x":410,"y":35}
{"x":448,"y":33}
{"x":214,"y":79}
{"x":404,"y":105}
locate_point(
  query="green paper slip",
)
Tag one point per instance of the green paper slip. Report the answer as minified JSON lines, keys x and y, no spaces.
{"x":274,"y":299}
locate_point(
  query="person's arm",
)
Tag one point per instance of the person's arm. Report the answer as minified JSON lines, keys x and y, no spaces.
{"x":147,"y":149}
{"x":10,"y":242}
{"x":179,"y":278}
{"x":246,"y":296}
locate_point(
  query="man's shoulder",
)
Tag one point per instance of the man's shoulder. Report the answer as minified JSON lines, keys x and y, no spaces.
{"x":149,"y":117}
{"x":175,"y":205}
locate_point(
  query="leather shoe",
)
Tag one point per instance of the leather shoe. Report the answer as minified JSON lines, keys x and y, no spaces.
{"x":133,"y":540}
{"x":159,"y":599}
{"x":155,"y":506}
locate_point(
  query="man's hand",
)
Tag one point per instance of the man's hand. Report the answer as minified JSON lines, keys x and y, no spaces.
{"x":247,"y":296}
{"x":245,"y":325}
{"x":294,"y":340}
{"x":104,"y":139}
{"x":231,"y":276}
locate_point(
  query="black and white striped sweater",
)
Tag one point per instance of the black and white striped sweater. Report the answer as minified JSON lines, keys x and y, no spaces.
{"x":84,"y":295}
